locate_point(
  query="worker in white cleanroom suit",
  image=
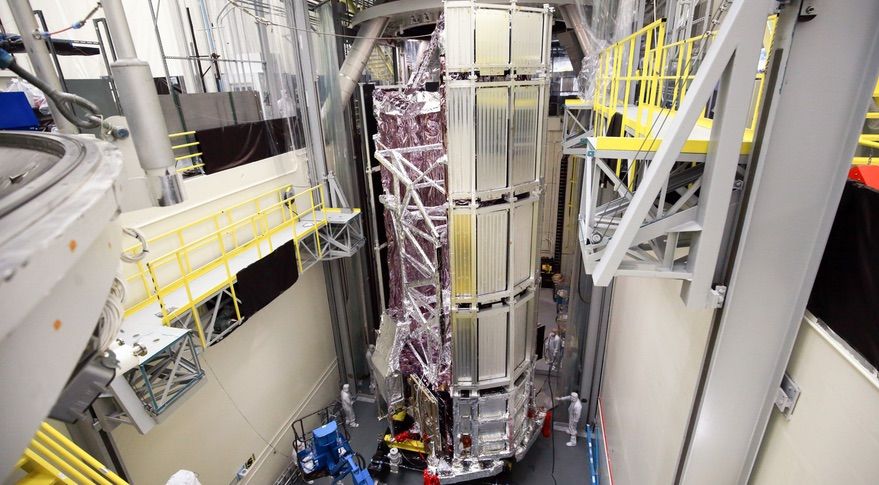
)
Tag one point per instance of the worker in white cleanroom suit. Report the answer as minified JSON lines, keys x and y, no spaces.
{"x":369,"y":351}
{"x":348,"y":407}
{"x":573,"y":416}
{"x":552,"y":350}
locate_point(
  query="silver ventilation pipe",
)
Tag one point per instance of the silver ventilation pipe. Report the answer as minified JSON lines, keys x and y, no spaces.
{"x":36,"y":49}
{"x":355,"y":62}
{"x":137,"y":93}
{"x":571,"y":15}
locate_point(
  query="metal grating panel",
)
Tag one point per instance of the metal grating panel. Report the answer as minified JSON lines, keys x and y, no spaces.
{"x":492,"y":40}
{"x":527,"y":40}
{"x":461,"y":245}
{"x":491,"y":251}
{"x":492,"y":346}
{"x":463,"y":331}
{"x":522,"y":234}
{"x":459,"y":54}
{"x":459,"y":114}
{"x":523,"y":143}
{"x":492,"y":112}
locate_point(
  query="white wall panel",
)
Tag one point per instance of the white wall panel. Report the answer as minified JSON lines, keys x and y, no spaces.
{"x":491,"y":251}
{"x":492,"y":337}
{"x":464,"y":334}
{"x":458,"y":26}
{"x":522,"y":234}
{"x":527,"y":32}
{"x":523,"y":134}
{"x":492,"y":114}
{"x":833,"y":434}
{"x":459,"y":114}
{"x":492,"y":39}
{"x":519,"y":331}
{"x":655,"y":348}
{"x":278,"y":365}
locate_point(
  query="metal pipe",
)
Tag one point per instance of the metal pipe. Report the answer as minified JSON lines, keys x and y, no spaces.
{"x":154,"y":14}
{"x":106,"y":58}
{"x":573,"y":19}
{"x":38,"y":52}
{"x":355,"y":62}
{"x":139,"y":99}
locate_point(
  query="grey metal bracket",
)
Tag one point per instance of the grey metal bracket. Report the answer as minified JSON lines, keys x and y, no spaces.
{"x":716,"y":296}
{"x":787,"y":395}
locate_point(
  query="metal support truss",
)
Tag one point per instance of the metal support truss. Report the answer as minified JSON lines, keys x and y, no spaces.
{"x":650,"y":214}
{"x":342,"y":236}
{"x":213,"y":332}
{"x":419,"y":231}
{"x":166,"y":375}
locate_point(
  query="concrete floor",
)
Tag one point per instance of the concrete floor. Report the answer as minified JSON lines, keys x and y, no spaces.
{"x":571,"y":465}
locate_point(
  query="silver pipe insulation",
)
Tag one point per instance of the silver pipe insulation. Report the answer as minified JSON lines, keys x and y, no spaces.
{"x":571,"y":15}
{"x":358,"y":56}
{"x":38,"y":52}
{"x":137,"y":94}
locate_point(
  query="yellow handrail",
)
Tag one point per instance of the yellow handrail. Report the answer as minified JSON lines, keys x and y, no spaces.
{"x":642,"y":75}
{"x":51,"y":457}
{"x":188,"y":261}
{"x":186,"y":156}
{"x":870,"y":141}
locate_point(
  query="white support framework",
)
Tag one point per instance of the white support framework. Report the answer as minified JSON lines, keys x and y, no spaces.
{"x":657,"y":206}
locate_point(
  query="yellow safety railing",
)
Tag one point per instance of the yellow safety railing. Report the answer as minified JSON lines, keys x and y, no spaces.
{"x":642,"y":75}
{"x":870,"y":141}
{"x":218,"y":238}
{"x":52,"y":458}
{"x":187,"y":145}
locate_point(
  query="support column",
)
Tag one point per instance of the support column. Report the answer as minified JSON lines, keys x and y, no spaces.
{"x":38,"y":53}
{"x":814,"y":113}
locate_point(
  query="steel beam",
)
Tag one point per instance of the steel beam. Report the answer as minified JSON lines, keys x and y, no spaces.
{"x":816,"y":109}
{"x":737,"y":84}
{"x":743,"y":18}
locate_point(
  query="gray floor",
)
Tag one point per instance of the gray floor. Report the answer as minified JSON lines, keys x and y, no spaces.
{"x":536,"y":468}
{"x":571,"y":467}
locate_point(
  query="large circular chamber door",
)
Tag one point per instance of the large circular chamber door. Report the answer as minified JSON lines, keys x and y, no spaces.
{"x":59,"y":252}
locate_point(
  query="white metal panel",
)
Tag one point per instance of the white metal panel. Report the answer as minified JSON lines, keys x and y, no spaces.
{"x":491,"y":251}
{"x":492,"y":407}
{"x":526,"y":40}
{"x":492,"y":40}
{"x":655,"y":350}
{"x":522,"y":233}
{"x":459,"y":26}
{"x":459,"y":118}
{"x":492,"y":113}
{"x":519,"y":331}
{"x":523,"y":129}
{"x":833,"y":434}
{"x":492,"y":328}
{"x":464,"y":333}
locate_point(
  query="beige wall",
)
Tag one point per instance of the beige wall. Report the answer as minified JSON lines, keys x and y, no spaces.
{"x":279,"y":364}
{"x":655,"y":348}
{"x":833,"y":434}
